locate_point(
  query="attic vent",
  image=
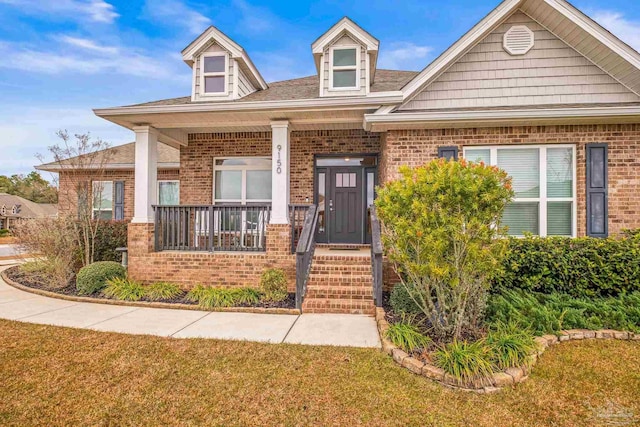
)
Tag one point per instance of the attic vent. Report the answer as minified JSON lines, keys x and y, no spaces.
{"x":518,"y":40}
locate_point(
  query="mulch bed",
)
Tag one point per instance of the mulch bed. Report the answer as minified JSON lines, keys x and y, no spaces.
{"x":34,"y":281}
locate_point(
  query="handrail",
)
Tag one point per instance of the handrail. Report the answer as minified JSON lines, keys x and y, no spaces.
{"x":376,"y":257}
{"x":297,"y":213}
{"x":304,"y":253}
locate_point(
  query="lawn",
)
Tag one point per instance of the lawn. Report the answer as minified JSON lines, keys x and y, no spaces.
{"x":59,"y":376}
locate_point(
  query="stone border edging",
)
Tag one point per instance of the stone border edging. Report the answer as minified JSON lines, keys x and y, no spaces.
{"x":148,"y":304}
{"x":510,"y":376}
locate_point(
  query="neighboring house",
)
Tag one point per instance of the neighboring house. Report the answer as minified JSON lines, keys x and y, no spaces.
{"x":536,"y":88}
{"x":109,"y":176}
{"x":15,"y":208}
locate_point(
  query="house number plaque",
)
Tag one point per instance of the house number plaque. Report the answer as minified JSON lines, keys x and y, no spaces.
{"x":279,"y":161}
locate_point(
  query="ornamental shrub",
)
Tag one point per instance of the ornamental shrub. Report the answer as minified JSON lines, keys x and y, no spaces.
{"x":582,"y":267}
{"x":274,"y":284}
{"x":124,"y":289}
{"x":109,"y":236}
{"x":93,"y":277}
{"x":441,"y":230}
{"x":401,"y":299}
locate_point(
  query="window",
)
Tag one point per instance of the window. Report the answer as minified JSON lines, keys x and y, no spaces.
{"x":344,"y":67}
{"x":213,"y":73}
{"x":102,"y":196}
{"x":242,"y":180}
{"x":169,"y":193}
{"x":544,"y":182}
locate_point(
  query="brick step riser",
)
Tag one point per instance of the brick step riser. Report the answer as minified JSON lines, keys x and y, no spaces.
{"x":333,"y":294}
{"x":342,"y":271}
{"x":360,"y":261}
{"x":311,"y":305}
{"x":367,"y":312}
{"x":343,"y":284}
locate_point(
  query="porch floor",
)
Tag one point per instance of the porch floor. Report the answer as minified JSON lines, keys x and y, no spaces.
{"x":309,"y":329}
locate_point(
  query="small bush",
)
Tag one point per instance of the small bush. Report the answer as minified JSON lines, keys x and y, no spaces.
{"x":465,"y":361}
{"x":124,"y":289}
{"x":162,"y":291}
{"x":209,"y":297}
{"x":93,"y":278}
{"x":53,"y":273}
{"x":407,"y":336}
{"x":4,"y":232}
{"x":510,"y":346}
{"x":274,"y":284}
{"x":109,"y":236}
{"x":401,"y":300}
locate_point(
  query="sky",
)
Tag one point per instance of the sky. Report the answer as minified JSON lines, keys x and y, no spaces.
{"x":60,"y":59}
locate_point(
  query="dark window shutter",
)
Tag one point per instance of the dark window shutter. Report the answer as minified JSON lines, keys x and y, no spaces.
{"x":597,"y":177}
{"x":118,"y":205}
{"x":450,"y":152}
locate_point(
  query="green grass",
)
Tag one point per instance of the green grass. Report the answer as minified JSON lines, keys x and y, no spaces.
{"x":162,"y":291}
{"x":61,"y":376}
{"x":209,"y":297}
{"x":124,"y":289}
{"x":465,"y":361}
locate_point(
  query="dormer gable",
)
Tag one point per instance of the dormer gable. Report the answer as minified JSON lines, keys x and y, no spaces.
{"x":221,"y":69}
{"x":345,"y":58}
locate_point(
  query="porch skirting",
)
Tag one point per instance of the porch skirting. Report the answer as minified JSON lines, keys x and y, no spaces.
{"x":209,"y":268}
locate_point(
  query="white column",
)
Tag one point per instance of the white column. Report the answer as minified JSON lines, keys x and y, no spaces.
{"x":146,"y":173}
{"x":280,"y":189}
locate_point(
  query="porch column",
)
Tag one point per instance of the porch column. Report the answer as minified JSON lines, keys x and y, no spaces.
{"x":146,"y":171}
{"x":280,"y":189}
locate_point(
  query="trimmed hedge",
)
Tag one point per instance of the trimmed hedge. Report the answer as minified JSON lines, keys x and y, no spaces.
{"x":93,"y":277}
{"x":582,"y":267}
{"x":110,"y":235}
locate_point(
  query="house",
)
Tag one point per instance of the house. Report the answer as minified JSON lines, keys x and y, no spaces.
{"x":536,"y":88}
{"x":111,"y":172}
{"x":16,"y":208}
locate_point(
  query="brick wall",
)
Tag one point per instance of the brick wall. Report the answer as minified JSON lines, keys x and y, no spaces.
{"x":68,"y":183}
{"x":416,"y":147}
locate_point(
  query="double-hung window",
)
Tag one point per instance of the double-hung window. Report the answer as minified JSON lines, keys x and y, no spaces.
{"x":344,"y":67}
{"x":544,"y":183}
{"x":102,"y":199}
{"x":213,"y":73}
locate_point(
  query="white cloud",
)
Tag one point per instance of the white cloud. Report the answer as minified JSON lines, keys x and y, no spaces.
{"x":404,"y":56}
{"x":176,"y":14}
{"x":79,"y":10}
{"x":88,"y":44}
{"x":627,"y":30}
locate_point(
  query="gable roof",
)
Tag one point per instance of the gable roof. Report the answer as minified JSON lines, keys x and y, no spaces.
{"x":28,"y":209}
{"x":561,"y":19}
{"x":120,"y":157}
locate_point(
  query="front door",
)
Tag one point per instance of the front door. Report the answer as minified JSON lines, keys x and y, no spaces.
{"x":345,"y":205}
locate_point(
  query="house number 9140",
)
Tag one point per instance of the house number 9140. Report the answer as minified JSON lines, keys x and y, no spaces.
{"x":279,"y":160}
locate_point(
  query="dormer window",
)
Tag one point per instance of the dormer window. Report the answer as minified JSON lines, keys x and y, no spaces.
{"x":214,"y":73}
{"x":344,"y":68}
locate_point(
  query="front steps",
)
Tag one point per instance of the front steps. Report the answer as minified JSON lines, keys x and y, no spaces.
{"x":340,"y":282}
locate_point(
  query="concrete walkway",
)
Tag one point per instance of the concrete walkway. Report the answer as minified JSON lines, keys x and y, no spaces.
{"x":310,"y":329}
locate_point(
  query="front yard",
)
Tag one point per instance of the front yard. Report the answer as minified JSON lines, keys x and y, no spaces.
{"x":79,"y":377}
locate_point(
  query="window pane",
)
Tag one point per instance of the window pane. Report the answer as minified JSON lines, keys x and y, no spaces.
{"x":344,"y":57}
{"x":169,"y":193}
{"x":523,"y":166}
{"x":102,"y":195}
{"x":228,"y":185}
{"x":339,"y":180}
{"x":483,"y":155}
{"x":259,"y":185}
{"x":214,"y":64}
{"x":370,"y":188}
{"x":344,"y":78}
{"x":559,"y":172}
{"x":347,"y":161}
{"x":321,"y":201}
{"x":521,"y":218}
{"x":245,"y":161}
{"x":103,"y":214}
{"x":559,"y":218}
{"x":214,"y":84}
{"x":352,"y":180}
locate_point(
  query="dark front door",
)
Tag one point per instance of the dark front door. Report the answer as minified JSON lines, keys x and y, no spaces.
{"x":345,"y":205}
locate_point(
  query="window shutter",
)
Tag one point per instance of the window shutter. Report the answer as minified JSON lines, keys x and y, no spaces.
{"x":450,"y":152}
{"x":118,"y":212}
{"x":597,"y":210}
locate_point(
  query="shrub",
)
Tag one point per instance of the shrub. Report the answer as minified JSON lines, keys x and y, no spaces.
{"x":124,"y":289}
{"x":548,"y":314}
{"x":274,"y":284}
{"x":441,"y":224}
{"x":465,"y":361}
{"x":407,"y":336}
{"x":109,"y":236}
{"x":582,"y":267}
{"x":209,"y":297}
{"x":4,"y":232}
{"x":510,"y":346}
{"x":93,"y":277}
{"x":52,"y":273}
{"x":401,"y":299}
{"x":162,"y":291}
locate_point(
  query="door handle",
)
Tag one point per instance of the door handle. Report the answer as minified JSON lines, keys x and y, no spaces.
{"x":330,"y":205}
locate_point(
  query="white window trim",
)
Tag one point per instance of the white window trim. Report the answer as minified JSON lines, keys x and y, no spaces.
{"x":543,"y":199}
{"x":333,"y":68}
{"x":243,"y":168}
{"x":113,"y":202}
{"x":166,"y":180}
{"x":224,"y":73}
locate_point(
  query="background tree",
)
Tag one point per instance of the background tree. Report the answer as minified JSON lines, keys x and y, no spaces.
{"x":32,"y":187}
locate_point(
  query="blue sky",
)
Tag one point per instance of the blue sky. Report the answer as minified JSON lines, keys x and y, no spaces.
{"x":59,"y":59}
